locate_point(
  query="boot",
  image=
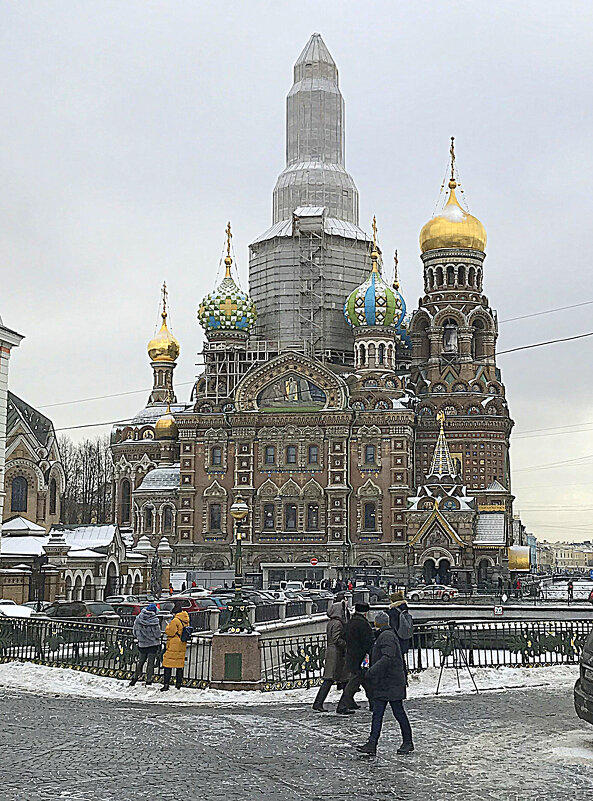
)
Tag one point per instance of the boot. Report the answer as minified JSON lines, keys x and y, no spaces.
{"x":132,"y":682}
{"x":369,"y":748}
{"x":164,"y":688}
{"x":319,"y":708}
{"x":406,"y":748}
{"x":345,"y":710}
{"x":354,"y":705}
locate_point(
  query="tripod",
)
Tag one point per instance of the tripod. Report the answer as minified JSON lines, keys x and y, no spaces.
{"x":454,"y":648}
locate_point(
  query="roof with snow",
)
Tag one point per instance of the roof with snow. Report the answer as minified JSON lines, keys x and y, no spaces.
{"x":40,"y":425}
{"x":20,"y":525}
{"x":90,"y":536}
{"x":161,"y":479}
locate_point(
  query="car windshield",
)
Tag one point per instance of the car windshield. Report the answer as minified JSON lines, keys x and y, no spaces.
{"x":97,"y":608}
{"x":6,"y":602}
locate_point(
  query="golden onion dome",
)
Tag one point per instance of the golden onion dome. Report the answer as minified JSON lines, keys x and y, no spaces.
{"x":453,"y":228}
{"x":163,"y":347}
{"x":166,"y":427}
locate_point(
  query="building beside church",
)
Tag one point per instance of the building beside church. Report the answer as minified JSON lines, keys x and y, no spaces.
{"x":359,"y":434}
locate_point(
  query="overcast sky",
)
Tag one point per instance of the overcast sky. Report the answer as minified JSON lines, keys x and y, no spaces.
{"x":132,"y":131}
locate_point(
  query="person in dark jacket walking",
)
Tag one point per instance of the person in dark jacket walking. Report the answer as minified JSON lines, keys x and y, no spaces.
{"x":359,"y":642}
{"x":335,"y":654}
{"x":397,"y":606}
{"x":386,"y":684}
{"x":147,"y":631}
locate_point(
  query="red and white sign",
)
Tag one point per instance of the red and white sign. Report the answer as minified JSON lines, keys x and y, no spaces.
{"x":314,"y":561}
{"x":498,"y":611}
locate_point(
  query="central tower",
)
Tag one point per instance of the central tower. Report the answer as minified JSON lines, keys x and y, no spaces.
{"x":314,"y":254}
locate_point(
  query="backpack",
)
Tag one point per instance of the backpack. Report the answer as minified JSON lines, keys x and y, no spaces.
{"x":186,"y":633}
{"x":405,"y":626}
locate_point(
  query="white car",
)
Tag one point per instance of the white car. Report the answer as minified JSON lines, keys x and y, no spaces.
{"x":433,"y":592}
{"x":122,"y":599}
{"x":194,"y":592}
{"x":10,"y":609}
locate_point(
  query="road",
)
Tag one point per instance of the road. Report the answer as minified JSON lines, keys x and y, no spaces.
{"x":498,"y":746}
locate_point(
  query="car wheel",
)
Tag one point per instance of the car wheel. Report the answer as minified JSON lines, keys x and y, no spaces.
{"x":445,"y":596}
{"x":414,"y":597}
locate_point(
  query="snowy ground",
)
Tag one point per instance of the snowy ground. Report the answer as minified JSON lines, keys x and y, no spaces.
{"x":68,"y":736}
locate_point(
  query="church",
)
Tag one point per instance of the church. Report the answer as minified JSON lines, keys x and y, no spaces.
{"x":363,"y":435}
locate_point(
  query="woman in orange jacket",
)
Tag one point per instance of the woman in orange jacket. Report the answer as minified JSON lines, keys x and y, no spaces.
{"x":174,"y":656}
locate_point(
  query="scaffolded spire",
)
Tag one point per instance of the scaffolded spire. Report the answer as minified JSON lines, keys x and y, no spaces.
{"x":442,"y":462}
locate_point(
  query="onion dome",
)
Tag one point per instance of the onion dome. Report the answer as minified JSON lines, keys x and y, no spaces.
{"x":166,"y":427}
{"x":163,"y":347}
{"x":453,"y":227}
{"x":227,"y":308}
{"x":374,"y":302}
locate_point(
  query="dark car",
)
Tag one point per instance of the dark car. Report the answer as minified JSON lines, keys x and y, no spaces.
{"x":583,"y":689}
{"x":98,"y":611}
{"x":376,"y":594}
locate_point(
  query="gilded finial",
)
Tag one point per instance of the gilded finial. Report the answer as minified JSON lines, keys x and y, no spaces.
{"x":375,"y":252}
{"x":435,"y":504}
{"x":228,"y":260}
{"x":165,"y":295}
{"x":395,"y":276}
{"x":452,"y":181}
{"x":441,"y":420}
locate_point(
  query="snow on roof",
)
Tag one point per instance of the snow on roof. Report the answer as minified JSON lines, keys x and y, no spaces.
{"x":91,"y":536}
{"x":160,"y":479}
{"x":490,"y":529}
{"x":21,"y":525}
{"x":23,"y":546}
{"x":310,"y":211}
{"x":84,"y":553}
{"x":331,"y":225}
{"x":496,"y":486}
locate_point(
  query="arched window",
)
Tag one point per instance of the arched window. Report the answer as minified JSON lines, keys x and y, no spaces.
{"x":148,"y":518}
{"x":53,"y":496}
{"x":370,"y":516}
{"x":471,"y":276}
{"x":369,"y":454}
{"x":167,"y":519}
{"x":450,"y":275}
{"x":363,"y":355}
{"x":478,"y":339}
{"x":215,"y":516}
{"x":381,"y":354}
{"x":313,"y":517}
{"x":450,"y":336}
{"x":270,"y":454}
{"x":461,"y":275}
{"x":440,"y":280}
{"x":313,"y":454}
{"x":269,"y":513}
{"x":126,"y":501}
{"x":20,"y":489}
{"x":216,"y":456}
{"x":291,"y":454}
{"x":430,"y":279}
{"x":290,"y":517}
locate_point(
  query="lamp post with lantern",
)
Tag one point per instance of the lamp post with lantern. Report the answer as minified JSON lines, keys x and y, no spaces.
{"x":238,"y":619}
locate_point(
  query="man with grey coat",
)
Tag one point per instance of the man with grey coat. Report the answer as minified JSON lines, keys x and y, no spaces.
{"x":147,"y":631}
{"x":335,"y":656}
{"x":385,"y":683}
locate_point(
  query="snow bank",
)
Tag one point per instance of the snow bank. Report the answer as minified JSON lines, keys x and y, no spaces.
{"x":43,"y":680}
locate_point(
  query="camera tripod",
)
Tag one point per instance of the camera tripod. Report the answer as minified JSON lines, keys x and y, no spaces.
{"x":454,"y":648}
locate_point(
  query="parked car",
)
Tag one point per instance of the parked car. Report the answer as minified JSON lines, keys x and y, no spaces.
{"x":37,"y":606}
{"x":99,"y":611}
{"x":376,"y":594}
{"x":194,"y":592}
{"x":122,"y":599}
{"x":583,"y":689}
{"x":14,"y":610}
{"x":433,"y":592}
{"x":187,"y":604}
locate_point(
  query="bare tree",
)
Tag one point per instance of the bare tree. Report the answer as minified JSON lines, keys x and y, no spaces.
{"x":89,"y":473}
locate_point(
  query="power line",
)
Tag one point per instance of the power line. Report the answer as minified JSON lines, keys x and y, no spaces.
{"x":548,"y":342}
{"x":113,"y":395}
{"x":548,"y":311}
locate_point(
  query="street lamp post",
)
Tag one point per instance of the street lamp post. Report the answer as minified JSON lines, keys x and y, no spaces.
{"x":238,"y":619}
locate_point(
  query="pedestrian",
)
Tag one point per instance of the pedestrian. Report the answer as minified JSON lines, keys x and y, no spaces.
{"x":570,"y":589}
{"x":171,"y":590}
{"x":386,"y":683}
{"x":335,"y":654}
{"x":147,"y":631}
{"x":359,"y":642}
{"x":193,"y":584}
{"x":401,"y":622}
{"x":178,"y":633}
{"x":349,"y":586}
{"x":183,"y":587}
{"x":500,"y":585}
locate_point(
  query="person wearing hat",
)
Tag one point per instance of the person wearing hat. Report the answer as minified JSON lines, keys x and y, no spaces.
{"x":359,"y":642}
{"x":386,"y":684}
{"x":401,"y":621}
{"x":147,"y":631}
{"x":335,"y":653}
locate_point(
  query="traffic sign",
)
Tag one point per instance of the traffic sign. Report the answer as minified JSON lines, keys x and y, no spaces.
{"x":498,"y":611}
{"x":314,"y":561}
{"x":591,"y":575}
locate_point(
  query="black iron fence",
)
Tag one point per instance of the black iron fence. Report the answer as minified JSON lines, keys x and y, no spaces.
{"x":92,"y":648}
{"x":265,"y":613}
{"x":295,"y":662}
{"x":296,"y":608}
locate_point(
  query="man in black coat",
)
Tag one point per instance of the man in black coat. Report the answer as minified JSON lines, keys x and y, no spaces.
{"x":386,"y":684}
{"x":359,"y":642}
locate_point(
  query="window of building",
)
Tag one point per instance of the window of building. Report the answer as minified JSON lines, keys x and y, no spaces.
{"x":148,"y":518}
{"x":269,"y":514}
{"x":167,"y":519}
{"x":126,"y":501}
{"x":369,"y":454}
{"x":20,"y":489}
{"x":290,"y":517}
{"x":370,"y":516}
{"x":270,"y":454}
{"x":313,"y":454}
{"x":291,"y":454}
{"x":381,"y":354}
{"x":216,"y":456}
{"x":215,"y":516}
{"x":53,"y":496}
{"x":313,"y":517}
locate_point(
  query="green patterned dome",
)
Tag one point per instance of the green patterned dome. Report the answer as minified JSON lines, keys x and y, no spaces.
{"x":227,"y":308}
{"x":374,"y":303}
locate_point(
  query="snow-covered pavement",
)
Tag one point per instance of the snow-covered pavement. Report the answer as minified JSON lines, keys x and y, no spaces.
{"x":68,"y":736}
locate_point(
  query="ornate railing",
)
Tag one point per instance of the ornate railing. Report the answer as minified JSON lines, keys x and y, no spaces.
{"x":296,"y":608}
{"x":92,"y":648}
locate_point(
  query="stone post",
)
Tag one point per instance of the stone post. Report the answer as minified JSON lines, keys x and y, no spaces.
{"x":236,"y":661}
{"x":165,"y":551}
{"x":309,"y":608}
{"x":214,"y":620}
{"x":282,"y":610}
